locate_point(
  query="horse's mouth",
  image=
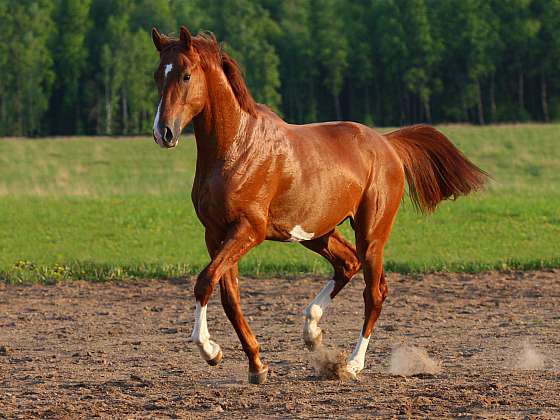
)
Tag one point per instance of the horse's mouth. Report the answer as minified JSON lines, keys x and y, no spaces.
{"x":170,"y":145}
{"x":164,"y":144}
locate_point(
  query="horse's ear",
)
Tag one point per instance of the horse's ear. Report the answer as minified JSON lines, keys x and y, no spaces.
{"x":185,"y":37}
{"x":159,"y":41}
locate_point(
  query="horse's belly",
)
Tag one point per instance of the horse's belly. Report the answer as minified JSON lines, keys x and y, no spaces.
{"x":309,"y":215}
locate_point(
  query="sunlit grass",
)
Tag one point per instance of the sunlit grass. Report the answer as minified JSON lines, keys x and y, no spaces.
{"x":116,"y":208}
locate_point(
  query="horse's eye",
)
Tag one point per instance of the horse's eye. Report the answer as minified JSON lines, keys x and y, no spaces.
{"x":187,"y":77}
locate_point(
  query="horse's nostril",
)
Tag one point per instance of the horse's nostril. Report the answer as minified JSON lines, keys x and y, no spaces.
{"x":168,"y":134}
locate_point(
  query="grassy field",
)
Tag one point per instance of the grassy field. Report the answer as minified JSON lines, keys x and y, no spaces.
{"x":116,"y":208}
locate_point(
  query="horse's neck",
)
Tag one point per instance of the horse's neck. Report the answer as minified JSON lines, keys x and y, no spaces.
{"x":220,"y":124}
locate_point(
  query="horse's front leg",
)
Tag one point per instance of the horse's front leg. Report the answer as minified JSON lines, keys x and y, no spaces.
{"x":225,"y":253}
{"x":229,"y":291}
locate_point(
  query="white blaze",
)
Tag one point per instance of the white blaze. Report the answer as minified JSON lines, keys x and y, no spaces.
{"x":157,"y":134}
{"x":201,"y":337}
{"x":298,"y":234}
{"x":315,"y":310}
{"x":168,"y":68}
{"x":356,"y":361}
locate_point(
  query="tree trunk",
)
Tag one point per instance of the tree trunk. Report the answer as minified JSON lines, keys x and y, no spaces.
{"x":401,"y":105}
{"x":349,"y":101}
{"x":493,"y":98}
{"x":2,"y":116}
{"x":480,"y":107}
{"x":427,"y":109}
{"x":465,"y":110}
{"x":107,"y":110}
{"x":124,"y":113}
{"x":408,"y":108}
{"x":520,"y":93}
{"x":312,"y":111}
{"x":544,"y":100}
{"x":18,"y":108}
{"x":31,"y":125}
{"x":378,"y":118}
{"x":77,"y":112}
{"x":412,"y":99}
{"x":367,"y":105}
{"x":336,"y":103}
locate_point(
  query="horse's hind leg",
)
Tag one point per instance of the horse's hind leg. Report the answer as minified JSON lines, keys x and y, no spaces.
{"x":229,"y":291}
{"x":342,"y":256}
{"x":372,"y":225}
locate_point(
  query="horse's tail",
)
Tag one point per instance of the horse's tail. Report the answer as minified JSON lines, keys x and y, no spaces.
{"x":435,"y":169}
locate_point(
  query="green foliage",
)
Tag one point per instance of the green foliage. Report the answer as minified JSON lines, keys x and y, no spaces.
{"x":468,"y":30}
{"x":28,"y":69}
{"x":71,"y":66}
{"x":550,"y":34}
{"x":330,"y":46}
{"x":298,"y":99}
{"x":69,"y":53}
{"x":246,"y":30}
{"x":100,"y":208}
{"x":424,"y":52}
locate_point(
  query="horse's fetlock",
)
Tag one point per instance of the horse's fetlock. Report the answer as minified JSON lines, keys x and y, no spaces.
{"x":202,"y":290}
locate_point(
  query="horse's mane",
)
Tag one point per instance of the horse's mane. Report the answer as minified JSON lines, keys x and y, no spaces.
{"x":212,"y":53}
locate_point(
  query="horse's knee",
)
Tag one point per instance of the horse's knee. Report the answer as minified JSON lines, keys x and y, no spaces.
{"x":384,"y":288}
{"x":373,"y":298}
{"x":344,"y":272}
{"x":384,"y":293}
{"x":351,"y":266}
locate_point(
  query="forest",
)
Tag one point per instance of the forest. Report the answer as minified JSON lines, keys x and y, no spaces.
{"x":71,"y":67}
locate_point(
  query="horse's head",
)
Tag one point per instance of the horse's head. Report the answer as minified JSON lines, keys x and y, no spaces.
{"x":181,"y":84}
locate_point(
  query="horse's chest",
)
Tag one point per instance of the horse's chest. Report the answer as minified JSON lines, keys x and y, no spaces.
{"x":206,"y":206}
{"x":212,"y":201}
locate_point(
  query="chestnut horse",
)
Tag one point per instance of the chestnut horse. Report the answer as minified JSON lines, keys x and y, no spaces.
{"x":258,"y":177}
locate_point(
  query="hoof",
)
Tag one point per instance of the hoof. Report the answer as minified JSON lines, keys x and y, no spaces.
{"x":258,"y":378}
{"x":351,"y":374}
{"x":315,"y":343}
{"x":216,"y":360}
{"x":352,"y":371}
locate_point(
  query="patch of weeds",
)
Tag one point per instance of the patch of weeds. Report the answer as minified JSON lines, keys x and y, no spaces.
{"x":534,"y":170}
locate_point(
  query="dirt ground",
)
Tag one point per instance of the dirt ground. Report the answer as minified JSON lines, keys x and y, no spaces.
{"x":122,"y":350}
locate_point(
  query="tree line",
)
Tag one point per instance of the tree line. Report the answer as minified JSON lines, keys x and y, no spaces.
{"x":86,"y":66}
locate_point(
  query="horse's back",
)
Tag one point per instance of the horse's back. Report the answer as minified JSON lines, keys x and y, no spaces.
{"x":357,"y":144}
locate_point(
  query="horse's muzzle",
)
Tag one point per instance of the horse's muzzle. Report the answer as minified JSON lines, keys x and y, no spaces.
{"x":168,"y":135}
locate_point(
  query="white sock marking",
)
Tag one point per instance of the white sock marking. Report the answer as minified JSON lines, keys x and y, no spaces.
{"x":315,"y":310}
{"x":357,"y":360}
{"x":298,"y":234}
{"x":201,"y":336}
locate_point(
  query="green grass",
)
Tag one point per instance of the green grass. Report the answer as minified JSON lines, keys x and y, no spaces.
{"x":100,"y":208}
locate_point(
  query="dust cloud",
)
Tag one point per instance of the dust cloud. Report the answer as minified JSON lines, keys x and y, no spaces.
{"x":329,"y":364}
{"x":529,"y":358}
{"x":410,"y":360}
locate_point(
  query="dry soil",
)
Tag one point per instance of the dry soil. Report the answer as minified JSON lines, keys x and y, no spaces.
{"x":122,"y":350}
